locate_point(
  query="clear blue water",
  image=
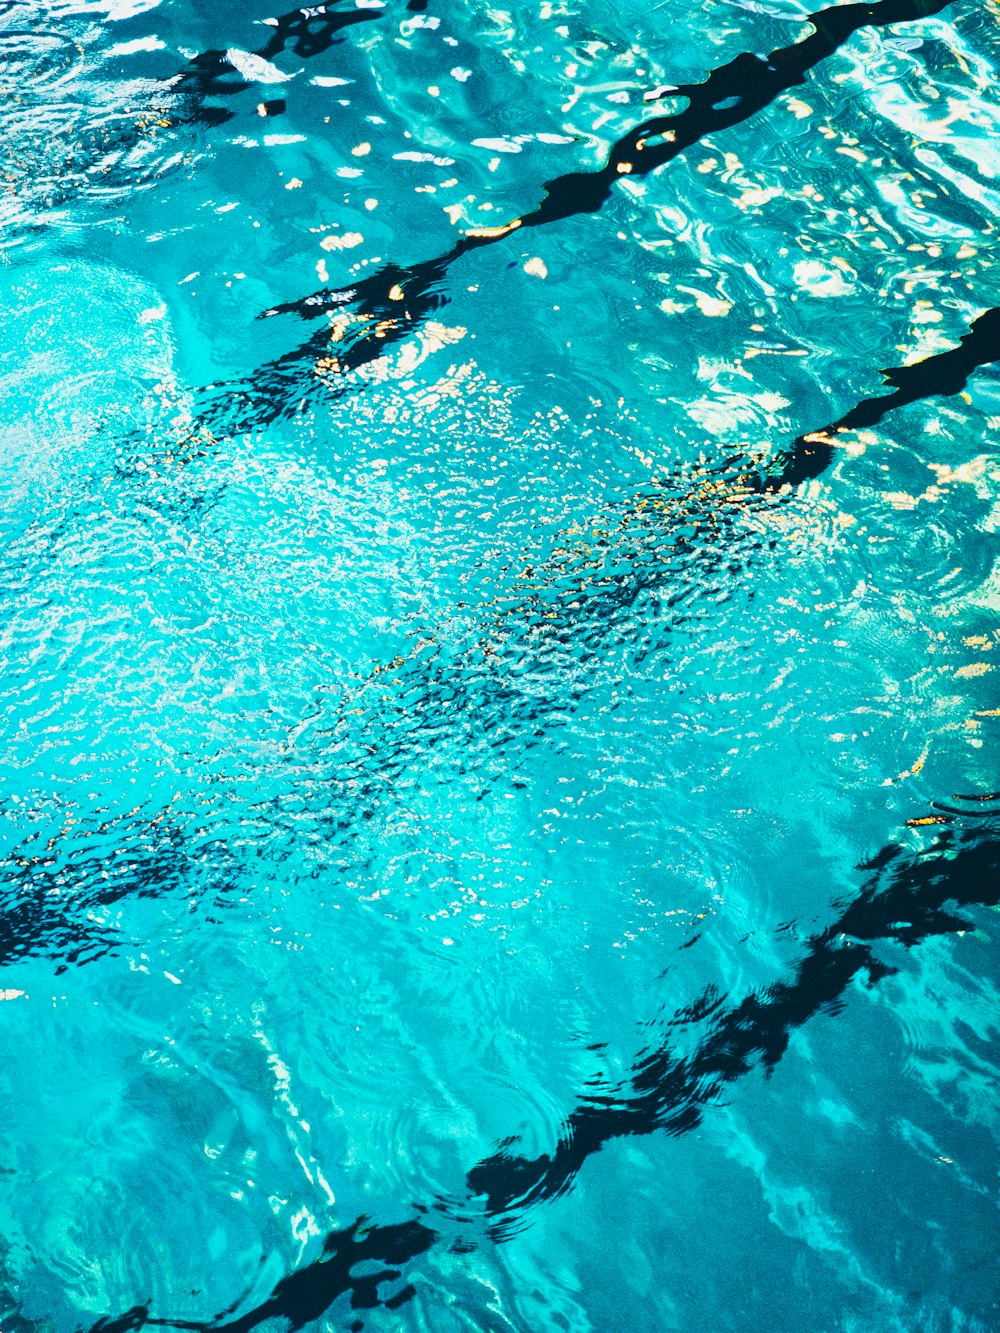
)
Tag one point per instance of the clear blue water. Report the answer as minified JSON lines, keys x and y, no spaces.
{"x":456,"y":773}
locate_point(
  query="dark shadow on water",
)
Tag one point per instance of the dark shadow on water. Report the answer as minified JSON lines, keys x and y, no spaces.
{"x":943,"y":375}
{"x":103,"y":155}
{"x":53,"y":896}
{"x":307,"y":32}
{"x":908,"y":897}
{"x":905,"y":902}
{"x":389,"y":305}
{"x":308,"y":1293}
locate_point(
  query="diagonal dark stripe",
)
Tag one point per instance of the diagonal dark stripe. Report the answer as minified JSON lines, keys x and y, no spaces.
{"x":909,"y":898}
{"x":731,"y":94}
{"x":390,"y":304}
{"x":307,"y":32}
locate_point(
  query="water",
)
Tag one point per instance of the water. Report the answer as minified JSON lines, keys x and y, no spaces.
{"x":475,"y":759}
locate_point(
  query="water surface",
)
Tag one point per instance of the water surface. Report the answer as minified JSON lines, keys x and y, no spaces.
{"x":499,"y":619}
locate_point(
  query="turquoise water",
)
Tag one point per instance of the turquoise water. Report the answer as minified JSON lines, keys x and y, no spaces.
{"x":503,"y":747}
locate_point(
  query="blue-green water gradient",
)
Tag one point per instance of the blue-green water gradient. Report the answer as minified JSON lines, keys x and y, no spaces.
{"x":383,"y":778}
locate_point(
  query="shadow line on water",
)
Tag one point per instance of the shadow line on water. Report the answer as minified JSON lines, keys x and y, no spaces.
{"x":666,"y":1092}
{"x":388,"y":305}
{"x":909,"y":897}
{"x":307,"y":32}
{"x":491,"y":689}
{"x":944,"y":374}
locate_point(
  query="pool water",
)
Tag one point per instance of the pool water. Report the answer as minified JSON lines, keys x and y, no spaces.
{"x":499,"y":653}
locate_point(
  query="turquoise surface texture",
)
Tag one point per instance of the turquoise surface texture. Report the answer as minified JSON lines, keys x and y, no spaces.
{"x":499,"y":647}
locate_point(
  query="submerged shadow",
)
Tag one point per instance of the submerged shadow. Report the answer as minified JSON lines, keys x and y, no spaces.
{"x":909,"y":897}
{"x":308,"y":1293}
{"x":531,"y":658}
{"x":57,"y":900}
{"x":943,"y":375}
{"x":307,"y":32}
{"x":905,"y":902}
{"x":58,"y":154}
{"x":389,"y":305}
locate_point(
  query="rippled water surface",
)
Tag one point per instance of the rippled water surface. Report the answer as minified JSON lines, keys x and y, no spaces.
{"x":499,"y":651}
